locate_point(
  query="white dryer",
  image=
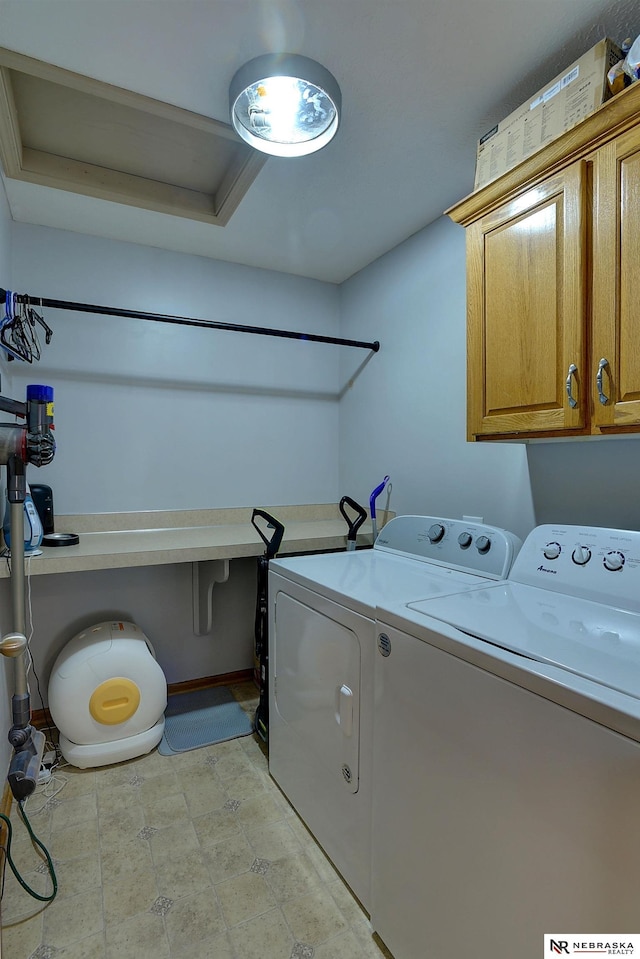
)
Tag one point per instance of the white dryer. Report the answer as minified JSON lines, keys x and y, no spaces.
{"x":507,"y":756}
{"x":321,"y":661}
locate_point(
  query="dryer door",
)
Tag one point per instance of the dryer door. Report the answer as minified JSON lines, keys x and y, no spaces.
{"x":317,"y":685}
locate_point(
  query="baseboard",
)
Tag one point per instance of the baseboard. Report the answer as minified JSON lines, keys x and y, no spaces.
{"x":40,"y":718}
{"x":205,"y":682}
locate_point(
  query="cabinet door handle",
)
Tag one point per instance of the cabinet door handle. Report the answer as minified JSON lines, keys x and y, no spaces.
{"x":604,"y":399}
{"x":573,"y":369}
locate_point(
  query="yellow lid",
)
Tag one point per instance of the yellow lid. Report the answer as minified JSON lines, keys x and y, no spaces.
{"x":114,"y":701}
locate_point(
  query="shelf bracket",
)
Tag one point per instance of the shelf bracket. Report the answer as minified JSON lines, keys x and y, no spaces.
{"x":203,"y":577}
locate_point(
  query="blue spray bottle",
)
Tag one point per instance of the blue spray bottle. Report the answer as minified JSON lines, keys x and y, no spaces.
{"x":32,"y":524}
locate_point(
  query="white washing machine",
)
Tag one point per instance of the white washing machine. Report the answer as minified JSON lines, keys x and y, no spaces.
{"x":507,"y":756}
{"x":321,"y":658}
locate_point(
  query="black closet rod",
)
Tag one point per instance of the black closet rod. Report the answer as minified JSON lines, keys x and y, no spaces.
{"x":186,"y":321}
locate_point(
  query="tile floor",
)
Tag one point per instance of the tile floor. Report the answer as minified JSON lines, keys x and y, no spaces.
{"x":193,"y":856}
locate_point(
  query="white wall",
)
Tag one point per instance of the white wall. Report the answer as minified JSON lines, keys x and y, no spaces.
{"x":158,"y":599}
{"x":6,"y":668}
{"x":593,"y":481}
{"x":405,"y":414}
{"x":152,"y":416}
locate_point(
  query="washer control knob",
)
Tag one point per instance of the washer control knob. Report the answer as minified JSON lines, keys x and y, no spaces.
{"x":614,"y":560}
{"x":552,"y":550}
{"x":483,"y":544}
{"x":581,"y":555}
{"x":436,"y":532}
{"x":465,"y":540}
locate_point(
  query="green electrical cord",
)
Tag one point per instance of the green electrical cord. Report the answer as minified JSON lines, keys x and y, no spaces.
{"x":35,"y":840}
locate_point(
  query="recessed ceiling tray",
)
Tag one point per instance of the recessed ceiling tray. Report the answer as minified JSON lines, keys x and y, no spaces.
{"x":74,"y":133}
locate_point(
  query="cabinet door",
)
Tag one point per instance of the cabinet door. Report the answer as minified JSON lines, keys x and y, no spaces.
{"x":526,"y":312}
{"x":615,"y":373}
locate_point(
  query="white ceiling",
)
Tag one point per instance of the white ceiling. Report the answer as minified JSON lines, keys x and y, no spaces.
{"x":421,"y":81}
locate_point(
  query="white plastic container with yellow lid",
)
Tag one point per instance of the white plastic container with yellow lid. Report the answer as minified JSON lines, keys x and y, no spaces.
{"x":107,"y":695}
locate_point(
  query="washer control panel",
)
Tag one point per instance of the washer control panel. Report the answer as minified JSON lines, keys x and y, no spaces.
{"x":592,"y":562}
{"x":468,"y":546}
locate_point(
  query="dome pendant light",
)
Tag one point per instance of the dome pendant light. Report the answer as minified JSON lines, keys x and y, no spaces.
{"x":284,"y":104}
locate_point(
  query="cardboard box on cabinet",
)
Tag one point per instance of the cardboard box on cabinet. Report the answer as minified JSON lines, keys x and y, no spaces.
{"x":570,"y":97}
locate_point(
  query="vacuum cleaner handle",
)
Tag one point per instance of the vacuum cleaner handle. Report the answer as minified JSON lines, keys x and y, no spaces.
{"x":375,"y":494}
{"x":372,"y":506}
{"x":273,"y":542}
{"x":355,"y":523}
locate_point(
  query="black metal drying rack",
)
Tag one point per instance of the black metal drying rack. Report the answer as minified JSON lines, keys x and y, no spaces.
{"x":47,"y":303}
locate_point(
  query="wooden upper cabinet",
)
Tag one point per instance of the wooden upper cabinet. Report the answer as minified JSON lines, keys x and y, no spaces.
{"x":553,"y":285}
{"x":616,"y":284}
{"x":526,"y":300}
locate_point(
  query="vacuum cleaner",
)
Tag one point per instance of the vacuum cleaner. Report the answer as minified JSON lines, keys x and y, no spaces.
{"x":272,"y":543}
{"x":19,"y":445}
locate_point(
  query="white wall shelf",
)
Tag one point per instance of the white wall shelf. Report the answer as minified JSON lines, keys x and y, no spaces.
{"x":118,"y":540}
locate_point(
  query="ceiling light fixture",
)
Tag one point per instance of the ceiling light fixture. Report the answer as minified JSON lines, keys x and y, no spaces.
{"x":285,"y":104}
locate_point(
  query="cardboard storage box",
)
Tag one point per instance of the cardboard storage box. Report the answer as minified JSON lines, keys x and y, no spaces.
{"x":562,"y":103}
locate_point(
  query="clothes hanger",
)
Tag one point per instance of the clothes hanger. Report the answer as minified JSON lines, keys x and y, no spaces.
{"x":18,"y":333}
{"x":11,"y":335}
{"x":35,"y":317}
